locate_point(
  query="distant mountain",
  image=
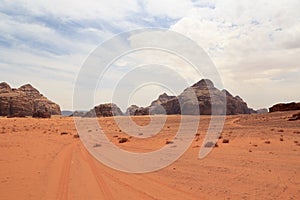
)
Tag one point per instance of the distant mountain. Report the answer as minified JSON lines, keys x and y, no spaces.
{"x":104,"y":110}
{"x":262,"y":111}
{"x":66,"y":113}
{"x":204,"y":90}
{"x":24,"y":101}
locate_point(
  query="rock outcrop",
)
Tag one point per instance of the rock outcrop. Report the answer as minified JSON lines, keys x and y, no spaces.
{"x":24,"y":101}
{"x":285,"y":107}
{"x":205,"y":93}
{"x":104,"y":110}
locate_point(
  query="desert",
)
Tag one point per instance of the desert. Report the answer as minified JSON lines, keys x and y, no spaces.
{"x":41,"y":159}
{"x":149,"y":100}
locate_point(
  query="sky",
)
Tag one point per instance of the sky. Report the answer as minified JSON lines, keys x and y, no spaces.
{"x":254,"y":44}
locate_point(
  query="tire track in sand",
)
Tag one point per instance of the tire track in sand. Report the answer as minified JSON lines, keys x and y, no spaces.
{"x":59,"y":173}
{"x":65,"y":174}
{"x":100,"y":181}
{"x":132,"y":182}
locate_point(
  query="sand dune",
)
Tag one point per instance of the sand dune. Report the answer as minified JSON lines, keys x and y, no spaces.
{"x":261,"y":161}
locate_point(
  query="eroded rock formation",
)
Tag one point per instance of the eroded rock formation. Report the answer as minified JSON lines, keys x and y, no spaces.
{"x":24,"y":101}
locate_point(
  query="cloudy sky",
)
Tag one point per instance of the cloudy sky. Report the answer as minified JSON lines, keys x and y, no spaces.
{"x":254,"y":44}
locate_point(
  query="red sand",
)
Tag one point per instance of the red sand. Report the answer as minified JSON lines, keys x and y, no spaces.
{"x":37,"y":162}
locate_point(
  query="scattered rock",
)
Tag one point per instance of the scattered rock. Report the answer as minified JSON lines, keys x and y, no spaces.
{"x":76,"y":136}
{"x":225,"y":141}
{"x":123,"y":140}
{"x":63,"y":133}
{"x":169,"y":142}
{"x":267,"y":142}
{"x":209,"y":144}
{"x":281,"y":139}
{"x":295,"y":117}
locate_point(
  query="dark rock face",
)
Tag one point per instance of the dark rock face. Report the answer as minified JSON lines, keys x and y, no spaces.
{"x":205,"y":95}
{"x":285,"y":107}
{"x":41,"y":114}
{"x":24,"y":101}
{"x":104,"y":110}
{"x":163,"y":98}
{"x":131,"y":110}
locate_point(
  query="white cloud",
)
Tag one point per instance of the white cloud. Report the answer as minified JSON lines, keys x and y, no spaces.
{"x":254,"y":44}
{"x":168,"y":8}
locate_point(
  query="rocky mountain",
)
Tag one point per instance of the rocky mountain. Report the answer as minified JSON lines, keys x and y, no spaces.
{"x":66,"y":113}
{"x":262,"y":111}
{"x":205,"y":91}
{"x":24,"y":101}
{"x":285,"y":107}
{"x":135,"y":110}
{"x":104,"y":110}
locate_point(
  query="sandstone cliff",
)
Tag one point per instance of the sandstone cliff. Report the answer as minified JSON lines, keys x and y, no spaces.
{"x":205,"y":92}
{"x":104,"y":110}
{"x":24,"y":101}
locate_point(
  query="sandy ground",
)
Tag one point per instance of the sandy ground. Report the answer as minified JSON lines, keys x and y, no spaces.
{"x":261,"y":161}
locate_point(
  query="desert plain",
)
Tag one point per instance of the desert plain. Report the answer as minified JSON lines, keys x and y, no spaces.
{"x":43,"y":159}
